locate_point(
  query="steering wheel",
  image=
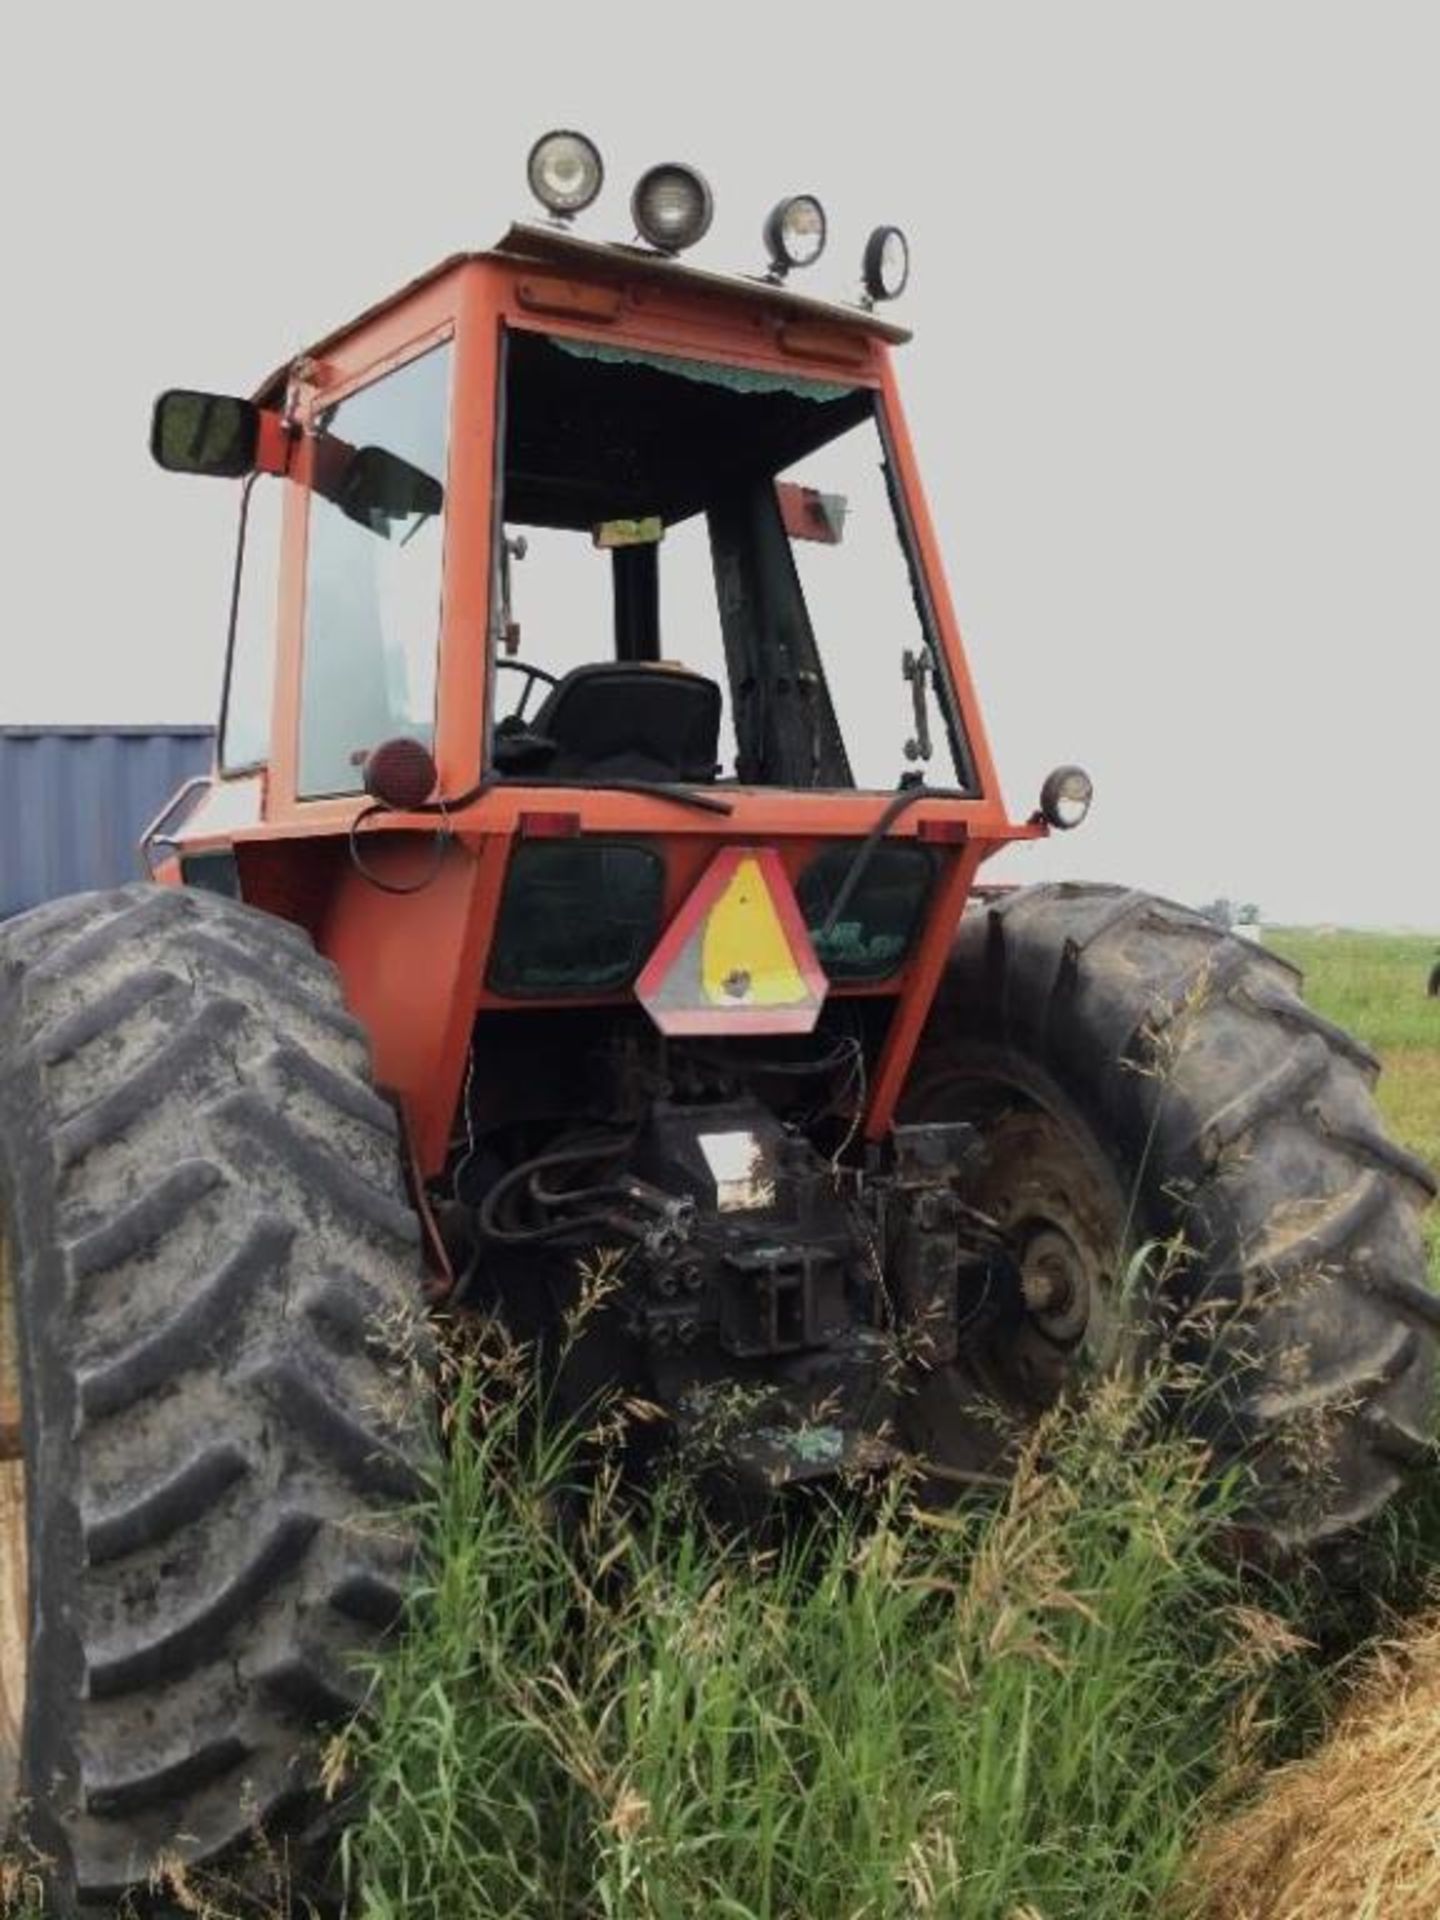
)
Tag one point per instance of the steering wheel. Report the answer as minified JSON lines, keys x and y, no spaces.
{"x":532,"y":674}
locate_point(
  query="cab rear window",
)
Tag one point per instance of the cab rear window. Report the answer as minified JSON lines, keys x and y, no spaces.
{"x":579,"y":916}
{"x":876,"y":927}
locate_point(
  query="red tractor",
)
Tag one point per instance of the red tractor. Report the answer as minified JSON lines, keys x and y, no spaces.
{"x":590,"y":870}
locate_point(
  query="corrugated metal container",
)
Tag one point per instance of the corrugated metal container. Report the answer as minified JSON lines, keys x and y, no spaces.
{"x":75,"y":800}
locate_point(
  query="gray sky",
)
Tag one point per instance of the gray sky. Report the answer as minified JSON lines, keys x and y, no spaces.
{"x":1175,"y":384}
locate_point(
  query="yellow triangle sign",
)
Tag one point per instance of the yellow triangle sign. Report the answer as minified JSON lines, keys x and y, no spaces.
{"x":737,"y":957}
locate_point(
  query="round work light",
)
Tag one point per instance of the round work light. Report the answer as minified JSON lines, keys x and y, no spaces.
{"x":565,"y":172}
{"x":795,"y":233}
{"x":887,"y":263}
{"x":672,"y":207}
{"x":1065,"y":797}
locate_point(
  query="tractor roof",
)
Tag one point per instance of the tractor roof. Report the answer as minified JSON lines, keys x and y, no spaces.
{"x":610,"y":261}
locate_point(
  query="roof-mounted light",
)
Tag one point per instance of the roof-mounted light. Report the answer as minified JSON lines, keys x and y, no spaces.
{"x":565,"y":172}
{"x":672,"y":207}
{"x":887,"y":264}
{"x":795,"y":234}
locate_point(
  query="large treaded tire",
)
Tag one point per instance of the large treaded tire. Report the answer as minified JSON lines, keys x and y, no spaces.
{"x":1235,"y":1116}
{"x":216,"y":1280}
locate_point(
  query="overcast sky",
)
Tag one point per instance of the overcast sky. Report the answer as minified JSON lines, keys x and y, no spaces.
{"x":1175,"y":384}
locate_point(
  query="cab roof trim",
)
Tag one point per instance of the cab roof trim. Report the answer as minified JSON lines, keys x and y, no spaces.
{"x":271,"y":390}
{"x":549,"y":246}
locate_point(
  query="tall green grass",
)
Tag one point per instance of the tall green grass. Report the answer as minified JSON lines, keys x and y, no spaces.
{"x":1019,"y":1710}
{"x":604,"y":1709}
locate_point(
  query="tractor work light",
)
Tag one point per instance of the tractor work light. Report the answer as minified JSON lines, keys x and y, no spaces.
{"x":672,"y":207}
{"x":795,"y":234}
{"x":565,"y":172}
{"x":1065,"y":797}
{"x":887,"y":263}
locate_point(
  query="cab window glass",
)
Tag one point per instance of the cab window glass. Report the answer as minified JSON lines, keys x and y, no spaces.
{"x":246,"y":737}
{"x":880,"y":916}
{"x":373,"y":572}
{"x":558,"y":592}
{"x":858,"y":594}
{"x":743,"y":524}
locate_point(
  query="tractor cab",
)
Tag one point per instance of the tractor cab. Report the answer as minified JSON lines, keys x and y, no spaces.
{"x":564,"y":571}
{"x":595,"y":704}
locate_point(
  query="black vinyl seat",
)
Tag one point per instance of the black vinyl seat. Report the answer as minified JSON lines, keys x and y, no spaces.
{"x":625,"y":720}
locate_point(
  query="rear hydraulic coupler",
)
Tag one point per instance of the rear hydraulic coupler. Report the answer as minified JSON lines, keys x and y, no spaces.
{"x":764,"y":1266}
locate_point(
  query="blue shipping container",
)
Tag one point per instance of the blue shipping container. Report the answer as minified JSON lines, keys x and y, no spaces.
{"x":75,"y":800}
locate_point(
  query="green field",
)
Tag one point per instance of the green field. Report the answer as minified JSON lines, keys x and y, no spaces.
{"x":1373,"y":984}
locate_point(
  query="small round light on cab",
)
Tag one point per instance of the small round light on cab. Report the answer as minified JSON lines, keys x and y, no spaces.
{"x":795,"y":233}
{"x":1065,"y":797}
{"x":565,"y":172}
{"x":886,"y":266}
{"x":400,"y":773}
{"x":672,"y":207}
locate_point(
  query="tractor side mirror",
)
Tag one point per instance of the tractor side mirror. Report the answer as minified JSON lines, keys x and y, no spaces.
{"x":376,"y":488}
{"x":205,"y":433}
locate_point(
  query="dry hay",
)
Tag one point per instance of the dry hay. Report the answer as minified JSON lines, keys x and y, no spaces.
{"x":1352,"y":1832}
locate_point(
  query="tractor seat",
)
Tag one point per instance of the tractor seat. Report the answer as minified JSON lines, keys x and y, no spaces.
{"x":625,"y":720}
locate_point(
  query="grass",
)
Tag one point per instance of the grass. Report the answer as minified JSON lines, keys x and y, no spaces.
{"x":1372,"y":984}
{"x":607,"y":1711}
{"x":1024,"y":1712}
{"x":1009,"y":1711}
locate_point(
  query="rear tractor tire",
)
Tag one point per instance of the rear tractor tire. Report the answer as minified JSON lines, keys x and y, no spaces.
{"x":211,"y":1421}
{"x":1139,"y":1076}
